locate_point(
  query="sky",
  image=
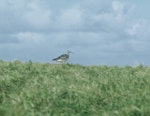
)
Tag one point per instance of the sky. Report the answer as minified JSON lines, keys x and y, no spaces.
{"x":98,"y":32}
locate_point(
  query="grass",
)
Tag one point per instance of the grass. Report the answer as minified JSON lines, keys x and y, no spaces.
{"x":44,"y":89}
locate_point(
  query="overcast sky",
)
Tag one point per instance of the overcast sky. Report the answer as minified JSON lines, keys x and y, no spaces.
{"x":99,"y":32}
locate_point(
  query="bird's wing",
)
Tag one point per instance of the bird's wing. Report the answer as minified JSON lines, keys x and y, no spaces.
{"x":63,"y":56}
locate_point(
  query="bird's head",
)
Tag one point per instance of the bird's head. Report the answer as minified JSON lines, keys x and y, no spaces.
{"x":68,"y":51}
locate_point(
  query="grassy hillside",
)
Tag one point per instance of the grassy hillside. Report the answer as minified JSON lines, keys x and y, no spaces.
{"x":35,"y":89}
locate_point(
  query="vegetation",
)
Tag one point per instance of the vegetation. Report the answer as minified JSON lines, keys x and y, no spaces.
{"x":44,"y":89}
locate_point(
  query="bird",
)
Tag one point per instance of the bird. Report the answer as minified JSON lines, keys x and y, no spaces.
{"x":62,"y":58}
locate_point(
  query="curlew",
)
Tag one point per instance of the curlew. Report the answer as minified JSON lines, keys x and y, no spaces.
{"x":63,"y":58}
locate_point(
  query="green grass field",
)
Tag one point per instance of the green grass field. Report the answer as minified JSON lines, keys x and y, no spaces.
{"x":44,"y":89}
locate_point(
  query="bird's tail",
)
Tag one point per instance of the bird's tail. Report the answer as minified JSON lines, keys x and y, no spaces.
{"x":54,"y":59}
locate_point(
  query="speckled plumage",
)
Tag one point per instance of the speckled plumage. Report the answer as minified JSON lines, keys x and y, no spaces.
{"x":62,"y":58}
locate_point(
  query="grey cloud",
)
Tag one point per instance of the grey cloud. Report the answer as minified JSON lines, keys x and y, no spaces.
{"x":7,"y":39}
{"x":33,"y":16}
{"x":97,"y":32}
